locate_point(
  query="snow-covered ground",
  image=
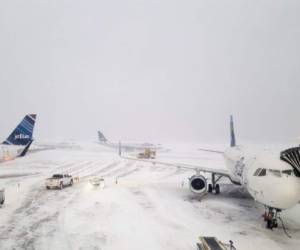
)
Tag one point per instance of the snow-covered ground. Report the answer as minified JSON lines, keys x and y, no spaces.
{"x":142,"y":206}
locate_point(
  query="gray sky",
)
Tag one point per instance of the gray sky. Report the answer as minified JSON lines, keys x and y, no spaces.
{"x":151,"y":70}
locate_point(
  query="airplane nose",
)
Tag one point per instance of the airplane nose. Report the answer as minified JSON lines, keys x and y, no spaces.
{"x":286,"y":195}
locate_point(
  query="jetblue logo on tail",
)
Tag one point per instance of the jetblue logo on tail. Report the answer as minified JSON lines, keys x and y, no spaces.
{"x":21,"y":137}
{"x":22,"y":134}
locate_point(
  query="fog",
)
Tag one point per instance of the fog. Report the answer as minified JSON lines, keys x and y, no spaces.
{"x":160,"y":70}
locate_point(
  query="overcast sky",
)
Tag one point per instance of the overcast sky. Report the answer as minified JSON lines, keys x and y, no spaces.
{"x":147,"y":70}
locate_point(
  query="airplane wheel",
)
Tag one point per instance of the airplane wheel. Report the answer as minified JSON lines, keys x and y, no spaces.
{"x":265,"y":216}
{"x":48,"y":187}
{"x":199,"y":247}
{"x":217,"y":189}
{"x":209,"y":188}
{"x":71,"y":182}
{"x":270,"y":224}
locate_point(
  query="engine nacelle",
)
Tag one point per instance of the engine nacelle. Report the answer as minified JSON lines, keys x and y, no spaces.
{"x":198,"y":184}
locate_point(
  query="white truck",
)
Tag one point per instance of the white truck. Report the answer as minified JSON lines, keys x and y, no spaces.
{"x":59,"y":181}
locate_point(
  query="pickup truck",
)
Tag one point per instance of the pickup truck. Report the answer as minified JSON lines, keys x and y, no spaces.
{"x":59,"y":181}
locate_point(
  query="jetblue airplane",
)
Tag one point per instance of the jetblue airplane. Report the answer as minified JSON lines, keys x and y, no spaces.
{"x":125,"y":146}
{"x":273,"y":179}
{"x":19,"y":141}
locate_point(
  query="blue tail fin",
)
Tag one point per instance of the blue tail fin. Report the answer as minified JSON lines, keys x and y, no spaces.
{"x":22,"y":134}
{"x":232,"y":135}
{"x":101,"y":137}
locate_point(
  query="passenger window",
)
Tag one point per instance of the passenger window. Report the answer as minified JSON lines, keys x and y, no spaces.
{"x":275,"y":172}
{"x":263,"y":172}
{"x":287,"y":172}
{"x":256,"y":172}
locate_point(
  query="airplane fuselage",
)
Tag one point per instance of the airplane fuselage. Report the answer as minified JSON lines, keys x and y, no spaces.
{"x":268,"y":179}
{"x":129,"y":147}
{"x":10,"y":152}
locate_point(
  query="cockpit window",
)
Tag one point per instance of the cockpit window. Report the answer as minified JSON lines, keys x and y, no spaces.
{"x":287,"y":172}
{"x":275,"y":172}
{"x":260,"y":172}
{"x":256,"y":172}
{"x":263,"y":172}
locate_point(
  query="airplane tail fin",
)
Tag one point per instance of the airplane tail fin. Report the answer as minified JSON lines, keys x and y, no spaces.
{"x":22,"y":134}
{"x":232,"y":134}
{"x":101,"y":137}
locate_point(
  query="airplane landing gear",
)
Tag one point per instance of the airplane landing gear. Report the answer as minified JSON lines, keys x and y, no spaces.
{"x":271,"y":216}
{"x":214,"y":187}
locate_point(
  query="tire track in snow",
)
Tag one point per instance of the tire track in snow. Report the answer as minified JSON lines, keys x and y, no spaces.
{"x":127,"y":173}
{"x":123,"y":171}
{"x":89,"y":168}
{"x":104,"y":169}
{"x":75,"y":166}
{"x":124,"y":168}
{"x":148,"y":204}
{"x":62,"y":166}
{"x":36,"y":218}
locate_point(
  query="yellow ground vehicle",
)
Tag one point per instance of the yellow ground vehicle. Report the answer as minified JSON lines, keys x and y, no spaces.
{"x":147,"y":154}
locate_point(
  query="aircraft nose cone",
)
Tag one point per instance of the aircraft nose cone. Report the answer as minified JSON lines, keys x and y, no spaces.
{"x":286,"y":195}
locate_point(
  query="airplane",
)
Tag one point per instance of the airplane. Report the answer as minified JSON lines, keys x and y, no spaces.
{"x":126,"y":146}
{"x":271,"y":179}
{"x":19,"y":141}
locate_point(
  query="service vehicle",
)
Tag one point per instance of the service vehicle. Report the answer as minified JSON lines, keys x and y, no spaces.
{"x":96,"y":181}
{"x":59,"y":181}
{"x":212,"y":243}
{"x":147,"y":154}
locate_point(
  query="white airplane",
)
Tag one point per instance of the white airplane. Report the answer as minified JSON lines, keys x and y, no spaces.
{"x":126,"y":146}
{"x":19,"y":141}
{"x":271,"y":179}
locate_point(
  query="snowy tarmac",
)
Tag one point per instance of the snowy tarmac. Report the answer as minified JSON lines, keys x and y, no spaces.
{"x":142,"y":206}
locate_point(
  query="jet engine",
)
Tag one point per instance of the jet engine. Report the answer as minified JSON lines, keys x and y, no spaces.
{"x":198,"y":184}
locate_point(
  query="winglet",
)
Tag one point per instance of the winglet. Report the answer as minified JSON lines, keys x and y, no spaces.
{"x":24,"y":151}
{"x":232,"y":134}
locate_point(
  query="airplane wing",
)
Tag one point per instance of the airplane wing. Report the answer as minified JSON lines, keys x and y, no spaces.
{"x":197,"y":169}
{"x":211,"y":150}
